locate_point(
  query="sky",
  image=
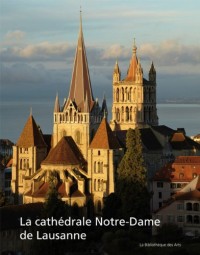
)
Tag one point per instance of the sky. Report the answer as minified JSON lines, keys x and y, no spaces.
{"x":38,"y":39}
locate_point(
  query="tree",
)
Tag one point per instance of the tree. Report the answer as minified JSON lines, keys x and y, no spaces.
{"x":132,"y":178}
{"x":54,"y":206}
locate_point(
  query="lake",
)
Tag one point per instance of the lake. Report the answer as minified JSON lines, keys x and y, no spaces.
{"x":14,"y":115}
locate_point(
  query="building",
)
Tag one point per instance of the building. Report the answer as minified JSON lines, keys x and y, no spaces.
{"x":183,"y":209}
{"x":84,"y":152}
{"x":134,"y":98}
{"x":5,"y":148}
{"x":172,"y":177}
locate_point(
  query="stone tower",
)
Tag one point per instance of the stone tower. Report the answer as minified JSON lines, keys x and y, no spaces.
{"x":134,"y":98}
{"x":80,"y":115}
{"x":28,"y":153}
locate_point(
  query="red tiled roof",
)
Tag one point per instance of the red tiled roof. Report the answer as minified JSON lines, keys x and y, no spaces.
{"x":31,"y":136}
{"x":104,"y":137}
{"x":184,"y":168}
{"x":65,"y":152}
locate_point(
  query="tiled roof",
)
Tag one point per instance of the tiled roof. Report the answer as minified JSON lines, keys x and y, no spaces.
{"x":164,"y":130}
{"x":179,"y":141}
{"x":131,"y":75}
{"x":149,"y":140}
{"x":80,"y":88}
{"x":104,"y":137}
{"x":192,"y":195}
{"x":184,"y":168}
{"x":31,"y":136}
{"x":65,"y":152}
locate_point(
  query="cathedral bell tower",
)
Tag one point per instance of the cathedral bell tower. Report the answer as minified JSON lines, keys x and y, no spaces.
{"x":80,"y":115}
{"x":134,"y":97}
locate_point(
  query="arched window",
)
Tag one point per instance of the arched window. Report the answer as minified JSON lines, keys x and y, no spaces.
{"x":189,"y":219}
{"x":117,"y":115}
{"x":195,"y":207}
{"x":95,"y":184}
{"x":70,"y":114}
{"x":196,"y":219}
{"x":122,"y":94}
{"x":127,"y":113}
{"x":131,"y":117}
{"x":117,"y":95}
{"x":99,"y":167}
{"x":102,"y":184}
{"x":98,"y":185}
{"x":130,"y":95}
{"x":189,"y":206}
{"x":126,"y":94}
{"x":95,"y":165}
{"x":20,"y":164}
{"x":122,"y":114}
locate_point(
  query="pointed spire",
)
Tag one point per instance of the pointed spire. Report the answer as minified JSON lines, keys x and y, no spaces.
{"x":134,"y":47}
{"x":116,"y":68}
{"x":80,"y":82}
{"x":31,"y":112}
{"x":104,"y":107}
{"x":57,"y":104}
{"x":152,"y":73}
{"x":131,"y":74}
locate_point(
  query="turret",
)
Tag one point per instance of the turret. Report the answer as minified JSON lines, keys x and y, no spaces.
{"x":57,"y":104}
{"x":139,"y":73}
{"x":152,"y":73}
{"x":116,"y":73}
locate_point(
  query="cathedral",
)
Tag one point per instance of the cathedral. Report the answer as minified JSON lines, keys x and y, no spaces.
{"x":83,"y":151}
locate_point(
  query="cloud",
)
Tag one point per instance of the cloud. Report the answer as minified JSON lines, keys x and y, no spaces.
{"x":171,"y":52}
{"x":43,"y":51}
{"x":14,"y":35}
{"x":115,"y":51}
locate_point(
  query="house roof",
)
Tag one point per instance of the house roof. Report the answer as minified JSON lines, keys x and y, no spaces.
{"x":65,"y":152}
{"x":179,"y":141}
{"x":192,"y":195}
{"x":190,"y":192}
{"x":104,"y":137}
{"x":183,"y":169}
{"x":164,"y":130}
{"x":31,"y":135}
{"x":149,"y":140}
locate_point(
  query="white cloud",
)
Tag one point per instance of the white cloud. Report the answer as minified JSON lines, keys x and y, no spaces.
{"x":14,"y":35}
{"x":115,"y":51}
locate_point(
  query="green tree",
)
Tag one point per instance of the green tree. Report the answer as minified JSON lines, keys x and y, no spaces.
{"x":132,"y":178}
{"x":54,"y":206}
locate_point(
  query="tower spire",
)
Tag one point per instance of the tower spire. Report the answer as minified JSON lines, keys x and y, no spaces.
{"x":131,"y":75}
{"x":80,"y":82}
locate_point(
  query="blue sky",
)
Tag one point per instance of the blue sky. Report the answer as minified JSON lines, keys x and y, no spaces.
{"x":38,"y":40}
